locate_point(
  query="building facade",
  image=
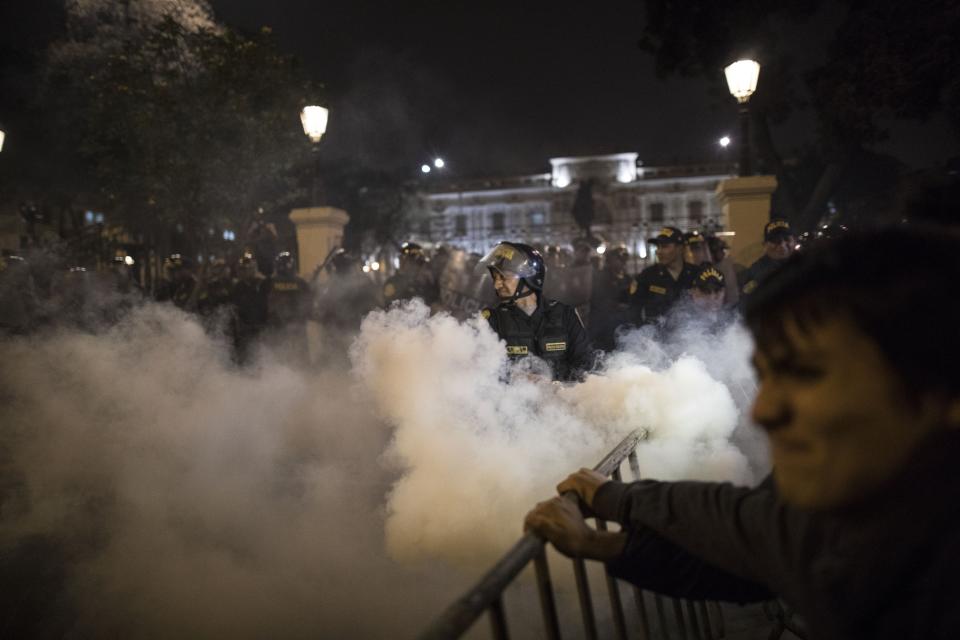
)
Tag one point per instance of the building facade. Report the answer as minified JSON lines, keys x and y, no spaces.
{"x":630,"y":202}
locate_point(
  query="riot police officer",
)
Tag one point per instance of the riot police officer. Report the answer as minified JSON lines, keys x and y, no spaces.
{"x":530,"y":324}
{"x":248,"y":298}
{"x":778,"y":245}
{"x":217,"y":288}
{"x":660,"y":286}
{"x":347,"y":295}
{"x":179,"y":286}
{"x":413,"y":279}
{"x":288,"y":307}
{"x":18,"y":298}
{"x":696,"y":249}
{"x":287,"y":294}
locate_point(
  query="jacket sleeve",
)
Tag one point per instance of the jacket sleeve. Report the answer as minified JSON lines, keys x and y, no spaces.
{"x":651,"y":562}
{"x":748,"y":533}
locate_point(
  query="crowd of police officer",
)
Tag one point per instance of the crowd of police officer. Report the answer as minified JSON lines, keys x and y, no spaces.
{"x":693,"y":284}
{"x":562,"y":306}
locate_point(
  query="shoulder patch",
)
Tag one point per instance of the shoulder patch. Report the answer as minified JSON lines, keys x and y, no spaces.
{"x":750,"y":287}
{"x":655,"y":289}
{"x":389,"y":290}
{"x":486,"y":314}
{"x":633,"y":287}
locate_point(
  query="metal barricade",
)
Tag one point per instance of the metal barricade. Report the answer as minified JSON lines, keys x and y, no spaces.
{"x":692,"y":620}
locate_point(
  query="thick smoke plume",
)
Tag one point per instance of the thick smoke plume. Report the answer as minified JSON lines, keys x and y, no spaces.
{"x":152,"y":488}
{"x":476,"y":451}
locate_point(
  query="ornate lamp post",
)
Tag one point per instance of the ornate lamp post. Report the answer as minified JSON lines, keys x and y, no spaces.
{"x":742,"y":78}
{"x":314,"y":120}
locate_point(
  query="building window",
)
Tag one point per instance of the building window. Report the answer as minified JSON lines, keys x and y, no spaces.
{"x":460,"y":228}
{"x":537,"y":218}
{"x":498,"y":221}
{"x":656,"y":212}
{"x":695,"y":211}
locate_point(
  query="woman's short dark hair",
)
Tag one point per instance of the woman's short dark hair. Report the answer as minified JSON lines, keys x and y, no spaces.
{"x":899,"y":285}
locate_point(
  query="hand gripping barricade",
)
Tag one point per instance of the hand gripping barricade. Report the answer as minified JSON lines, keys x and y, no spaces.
{"x":693,"y":620}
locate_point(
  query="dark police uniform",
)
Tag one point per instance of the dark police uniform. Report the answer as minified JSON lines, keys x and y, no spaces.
{"x":413,"y":283}
{"x":179,"y":291}
{"x":756,"y":273}
{"x":657,"y":291}
{"x":553,"y":332}
{"x":217,"y":293}
{"x":288,"y":300}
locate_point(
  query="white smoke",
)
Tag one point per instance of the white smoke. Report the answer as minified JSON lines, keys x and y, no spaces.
{"x":186,"y":497}
{"x":477,"y":452}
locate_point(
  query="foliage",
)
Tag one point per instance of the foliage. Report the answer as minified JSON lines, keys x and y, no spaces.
{"x":178,"y":124}
{"x":869,"y":63}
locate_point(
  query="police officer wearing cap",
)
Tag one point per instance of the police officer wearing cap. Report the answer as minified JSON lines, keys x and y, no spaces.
{"x":696,"y":249}
{"x":660,"y":286}
{"x":778,"y":245}
{"x":530,"y":324}
{"x":413,"y":279}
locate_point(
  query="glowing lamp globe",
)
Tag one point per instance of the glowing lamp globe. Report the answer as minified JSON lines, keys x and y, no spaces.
{"x":2,"y":136}
{"x":314,"y":120}
{"x":742,"y":79}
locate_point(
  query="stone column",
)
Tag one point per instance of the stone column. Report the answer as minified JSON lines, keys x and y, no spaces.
{"x":746,"y":206}
{"x":319,"y":231}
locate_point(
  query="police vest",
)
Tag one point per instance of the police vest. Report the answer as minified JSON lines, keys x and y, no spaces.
{"x":549,"y":342}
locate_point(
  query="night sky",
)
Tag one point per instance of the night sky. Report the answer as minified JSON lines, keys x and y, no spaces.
{"x":494,"y":88}
{"x":498,"y":88}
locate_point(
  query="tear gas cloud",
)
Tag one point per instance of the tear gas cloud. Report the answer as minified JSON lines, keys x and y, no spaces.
{"x":477,"y":452}
{"x":184,"y":496}
{"x":187,"y":498}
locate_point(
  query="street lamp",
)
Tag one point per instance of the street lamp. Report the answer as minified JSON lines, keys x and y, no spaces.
{"x":439,"y":163}
{"x":314,"y":121}
{"x":2,"y":136}
{"x":425,"y":168}
{"x":724,"y":141}
{"x":742,"y":81}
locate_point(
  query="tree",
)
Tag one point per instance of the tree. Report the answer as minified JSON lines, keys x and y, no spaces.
{"x":178,"y":124}
{"x":877,"y":59}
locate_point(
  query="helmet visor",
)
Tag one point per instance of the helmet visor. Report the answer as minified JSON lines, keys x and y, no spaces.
{"x":507,"y":259}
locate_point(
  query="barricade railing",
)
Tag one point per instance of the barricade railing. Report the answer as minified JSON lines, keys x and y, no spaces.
{"x":692,"y":620}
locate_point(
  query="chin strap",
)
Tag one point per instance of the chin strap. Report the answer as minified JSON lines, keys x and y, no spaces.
{"x":520,"y":292}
